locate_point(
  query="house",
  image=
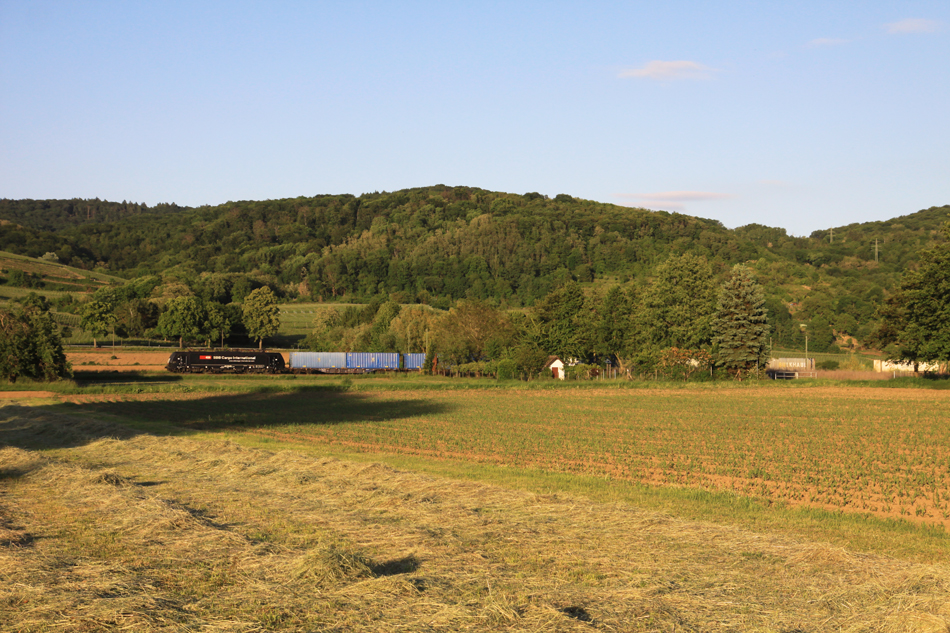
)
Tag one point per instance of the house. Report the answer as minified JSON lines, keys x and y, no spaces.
{"x":556,"y":366}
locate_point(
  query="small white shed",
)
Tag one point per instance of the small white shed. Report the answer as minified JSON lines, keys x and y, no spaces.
{"x":556,"y":366}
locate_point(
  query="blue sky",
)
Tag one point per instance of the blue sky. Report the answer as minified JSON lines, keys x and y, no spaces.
{"x":801,"y":115}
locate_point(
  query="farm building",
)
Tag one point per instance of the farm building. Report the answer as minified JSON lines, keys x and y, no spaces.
{"x":556,"y":366}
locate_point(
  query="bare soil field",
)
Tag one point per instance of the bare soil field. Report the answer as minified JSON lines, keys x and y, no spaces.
{"x":109,"y":359}
{"x":882,"y":452}
{"x":110,"y":529}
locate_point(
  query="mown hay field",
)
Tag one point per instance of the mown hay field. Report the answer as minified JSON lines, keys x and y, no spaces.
{"x":882,"y":452}
{"x":104,"y":527}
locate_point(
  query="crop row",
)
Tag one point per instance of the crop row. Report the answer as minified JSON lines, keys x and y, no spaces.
{"x":885,"y":452}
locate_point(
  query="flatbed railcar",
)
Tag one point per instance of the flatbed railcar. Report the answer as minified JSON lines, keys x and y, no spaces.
{"x":226,"y":362}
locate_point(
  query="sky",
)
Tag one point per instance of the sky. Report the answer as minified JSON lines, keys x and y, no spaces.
{"x":801,"y":115}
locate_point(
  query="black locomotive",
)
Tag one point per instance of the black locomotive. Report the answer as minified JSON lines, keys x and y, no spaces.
{"x":226,"y":362}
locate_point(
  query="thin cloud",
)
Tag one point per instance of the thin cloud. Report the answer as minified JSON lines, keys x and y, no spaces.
{"x":671,"y":200}
{"x":669,"y":71}
{"x":822,"y":42}
{"x":913,"y":25}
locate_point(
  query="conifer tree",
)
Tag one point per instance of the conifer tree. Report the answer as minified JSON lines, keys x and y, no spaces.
{"x":740,"y":324}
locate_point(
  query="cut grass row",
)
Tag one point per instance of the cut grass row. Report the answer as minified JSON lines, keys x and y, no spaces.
{"x":145,"y":533}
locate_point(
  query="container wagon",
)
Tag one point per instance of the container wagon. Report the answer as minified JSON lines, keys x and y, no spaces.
{"x":413,"y":361}
{"x":372,"y":361}
{"x":318,"y":362}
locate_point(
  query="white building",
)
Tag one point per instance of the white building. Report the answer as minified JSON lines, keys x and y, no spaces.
{"x":556,"y":366}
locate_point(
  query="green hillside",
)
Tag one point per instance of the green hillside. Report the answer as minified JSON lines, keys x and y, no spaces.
{"x":436,"y":245}
{"x":54,"y":215}
{"x":22,"y":275}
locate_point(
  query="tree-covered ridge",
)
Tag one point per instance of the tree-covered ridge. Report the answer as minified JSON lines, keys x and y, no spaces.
{"x":56,"y":215}
{"x":430,"y":242}
{"x":892,"y":243}
{"x":21,"y":240}
{"x":834,"y":281}
{"x":437,"y":245}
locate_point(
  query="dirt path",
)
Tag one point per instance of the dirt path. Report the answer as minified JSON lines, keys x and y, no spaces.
{"x":26,"y":395}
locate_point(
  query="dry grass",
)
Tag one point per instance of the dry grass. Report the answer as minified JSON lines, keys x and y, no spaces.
{"x":141,"y":533}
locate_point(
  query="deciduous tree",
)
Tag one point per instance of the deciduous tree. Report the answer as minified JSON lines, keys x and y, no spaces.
{"x":470,"y":330}
{"x":677,"y":307}
{"x":217,"y":322}
{"x":30,"y":346}
{"x":915,"y":323}
{"x":563,"y":323}
{"x":261,"y":314}
{"x":96,"y":317}
{"x":183,"y":318}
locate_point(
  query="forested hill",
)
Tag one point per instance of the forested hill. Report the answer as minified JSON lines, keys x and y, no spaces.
{"x":439,"y":244}
{"x":55,"y":215}
{"x":893,"y":242}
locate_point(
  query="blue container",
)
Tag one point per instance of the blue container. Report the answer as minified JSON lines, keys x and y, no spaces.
{"x":317,"y":360}
{"x":369,"y":360}
{"x":413,"y":361}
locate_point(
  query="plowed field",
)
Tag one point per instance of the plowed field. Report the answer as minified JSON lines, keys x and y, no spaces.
{"x":113,"y":360}
{"x":884,"y":452}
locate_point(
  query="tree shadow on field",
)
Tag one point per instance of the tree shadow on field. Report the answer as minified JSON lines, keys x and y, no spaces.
{"x":58,"y":426}
{"x":115,"y":378}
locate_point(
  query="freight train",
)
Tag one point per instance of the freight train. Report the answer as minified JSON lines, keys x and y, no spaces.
{"x":241,"y":362}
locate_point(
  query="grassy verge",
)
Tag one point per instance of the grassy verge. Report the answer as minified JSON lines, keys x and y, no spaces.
{"x":161,"y":381}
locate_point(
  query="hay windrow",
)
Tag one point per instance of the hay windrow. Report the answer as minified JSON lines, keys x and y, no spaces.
{"x":175,"y":534}
{"x":331,"y":564}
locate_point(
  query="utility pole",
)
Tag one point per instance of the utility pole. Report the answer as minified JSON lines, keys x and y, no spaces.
{"x":875,"y":250}
{"x":832,"y":235}
{"x":804,"y":329}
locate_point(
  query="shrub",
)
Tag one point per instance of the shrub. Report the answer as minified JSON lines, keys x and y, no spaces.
{"x":30,"y":346}
{"x":507,"y":369}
